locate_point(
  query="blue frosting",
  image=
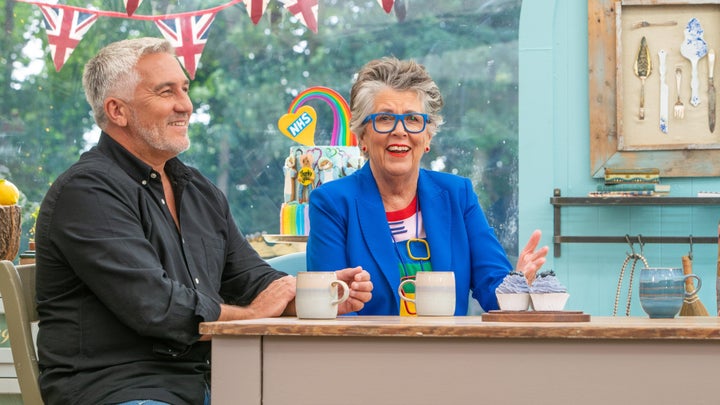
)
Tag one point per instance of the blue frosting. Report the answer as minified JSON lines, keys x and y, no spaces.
{"x":546,"y":283}
{"x":514,"y":283}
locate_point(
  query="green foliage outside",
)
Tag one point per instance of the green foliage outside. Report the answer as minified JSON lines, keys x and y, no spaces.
{"x":248,"y":76}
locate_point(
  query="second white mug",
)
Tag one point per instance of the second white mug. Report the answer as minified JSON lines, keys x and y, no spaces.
{"x":434,"y":293}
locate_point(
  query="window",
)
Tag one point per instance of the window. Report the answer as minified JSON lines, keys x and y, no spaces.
{"x":249,"y":74}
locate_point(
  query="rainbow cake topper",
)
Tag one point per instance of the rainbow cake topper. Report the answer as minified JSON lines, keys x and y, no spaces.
{"x":300,"y":121}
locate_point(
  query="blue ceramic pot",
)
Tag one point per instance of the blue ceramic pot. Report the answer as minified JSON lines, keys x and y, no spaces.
{"x":662,"y":291}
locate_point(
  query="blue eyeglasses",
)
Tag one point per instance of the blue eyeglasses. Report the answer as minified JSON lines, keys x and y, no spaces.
{"x":384,"y":123}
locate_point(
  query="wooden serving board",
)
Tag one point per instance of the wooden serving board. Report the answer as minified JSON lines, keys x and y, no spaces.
{"x":535,"y":316}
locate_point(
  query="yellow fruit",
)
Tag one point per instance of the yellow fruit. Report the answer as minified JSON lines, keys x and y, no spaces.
{"x":9,"y":194}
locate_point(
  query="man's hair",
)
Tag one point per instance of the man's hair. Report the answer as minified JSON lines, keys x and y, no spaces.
{"x":399,"y":75}
{"x":112,"y":72}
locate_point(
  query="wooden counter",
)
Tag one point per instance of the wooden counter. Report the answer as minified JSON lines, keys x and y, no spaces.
{"x":464,"y":360}
{"x":473,"y":327}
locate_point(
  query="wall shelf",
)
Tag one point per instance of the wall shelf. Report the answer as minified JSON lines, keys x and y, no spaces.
{"x":558,"y":202}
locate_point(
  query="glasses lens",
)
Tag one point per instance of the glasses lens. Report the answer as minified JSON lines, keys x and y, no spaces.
{"x":414,"y":122}
{"x":384,"y":122}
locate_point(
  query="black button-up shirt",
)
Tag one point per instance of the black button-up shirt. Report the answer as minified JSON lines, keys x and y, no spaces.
{"x":121,"y":290}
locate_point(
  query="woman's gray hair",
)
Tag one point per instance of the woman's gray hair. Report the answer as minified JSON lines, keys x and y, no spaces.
{"x":112,"y":72}
{"x":399,"y":75}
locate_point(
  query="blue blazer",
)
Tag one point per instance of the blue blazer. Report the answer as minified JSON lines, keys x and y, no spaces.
{"x":348,"y":228}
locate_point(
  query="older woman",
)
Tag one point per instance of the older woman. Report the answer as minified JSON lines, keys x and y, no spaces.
{"x":393,"y":218}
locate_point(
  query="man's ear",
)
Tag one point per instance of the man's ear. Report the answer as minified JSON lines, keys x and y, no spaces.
{"x":117,"y":111}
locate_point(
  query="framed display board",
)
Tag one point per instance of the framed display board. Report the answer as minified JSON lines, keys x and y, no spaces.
{"x":633,"y":123}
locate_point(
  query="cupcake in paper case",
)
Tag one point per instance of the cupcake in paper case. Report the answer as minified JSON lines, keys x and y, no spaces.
{"x":547,"y":293}
{"x":513,"y":294}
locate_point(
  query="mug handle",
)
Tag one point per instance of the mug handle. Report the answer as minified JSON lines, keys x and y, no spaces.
{"x":699,"y":284}
{"x":346,"y":291}
{"x":402,"y":293}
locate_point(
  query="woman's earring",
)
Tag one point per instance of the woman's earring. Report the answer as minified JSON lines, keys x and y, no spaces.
{"x":364,"y":148}
{"x":427,"y":149}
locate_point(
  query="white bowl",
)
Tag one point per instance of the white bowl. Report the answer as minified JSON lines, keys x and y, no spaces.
{"x":550,"y":301}
{"x":513,"y":302}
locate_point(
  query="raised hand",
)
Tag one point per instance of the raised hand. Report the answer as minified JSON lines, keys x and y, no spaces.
{"x":531,"y":260}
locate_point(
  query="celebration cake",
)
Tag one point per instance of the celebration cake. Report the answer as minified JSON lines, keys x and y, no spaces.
{"x":307,"y":165}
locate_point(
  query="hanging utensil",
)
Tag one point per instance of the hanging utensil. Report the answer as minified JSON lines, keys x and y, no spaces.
{"x":662,"y":56}
{"x":717,"y":282}
{"x":679,"y":107}
{"x":711,"y":90}
{"x":644,"y":24}
{"x":694,"y":48}
{"x":691,"y":303}
{"x":642,"y":68}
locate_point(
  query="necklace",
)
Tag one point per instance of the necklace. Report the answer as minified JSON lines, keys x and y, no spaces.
{"x":405,"y":273}
{"x":416,"y":257}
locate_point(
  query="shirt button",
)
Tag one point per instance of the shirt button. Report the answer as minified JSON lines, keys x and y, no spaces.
{"x":153,"y":175}
{"x":163,"y":201}
{"x":144,"y":182}
{"x":197,"y":281}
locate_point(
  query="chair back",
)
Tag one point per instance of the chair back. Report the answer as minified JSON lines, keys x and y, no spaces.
{"x":290,"y":263}
{"x":17,"y":287}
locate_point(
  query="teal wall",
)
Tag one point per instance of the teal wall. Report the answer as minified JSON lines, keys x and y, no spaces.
{"x":554,"y":153}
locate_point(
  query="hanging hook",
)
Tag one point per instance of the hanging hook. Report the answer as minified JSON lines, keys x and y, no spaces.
{"x":632,"y":248}
{"x":690,"y":254}
{"x":642,"y":245}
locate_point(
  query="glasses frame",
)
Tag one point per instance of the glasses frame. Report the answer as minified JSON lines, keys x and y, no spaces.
{"x":398,"y":118}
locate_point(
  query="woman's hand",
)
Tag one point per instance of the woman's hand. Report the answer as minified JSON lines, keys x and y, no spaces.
{"x":531,"y":260}
{"x":360,"y":289}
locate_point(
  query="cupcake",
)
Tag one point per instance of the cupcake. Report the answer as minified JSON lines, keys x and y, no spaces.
{"x":547,"y":294}
{"x":513,"y":294}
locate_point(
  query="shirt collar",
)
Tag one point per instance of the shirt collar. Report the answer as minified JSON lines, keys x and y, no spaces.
{"x":136,"y":168}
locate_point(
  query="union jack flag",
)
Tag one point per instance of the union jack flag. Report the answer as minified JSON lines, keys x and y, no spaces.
{"x":132,"y":5}
{"x":65,"y":28}
{"x":305,"y":10}
{"x":188,"y":34}
{"x":387,"y":5}
{"x":256,"y":8}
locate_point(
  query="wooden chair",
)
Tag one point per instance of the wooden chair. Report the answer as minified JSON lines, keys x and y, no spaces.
{"x":17,"y":287}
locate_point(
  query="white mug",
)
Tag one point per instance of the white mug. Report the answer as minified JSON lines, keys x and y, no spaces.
{"x":316,"y":294}
{"x":434,"y":293}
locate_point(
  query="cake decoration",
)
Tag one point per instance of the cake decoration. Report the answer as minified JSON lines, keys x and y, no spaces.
{"x":299,"y":122}
{"x":300,"y":125}
{"x":308,"y":165}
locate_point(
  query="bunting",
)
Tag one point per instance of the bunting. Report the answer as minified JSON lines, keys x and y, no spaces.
{"x":387,"y":5}
{"x":306,"y":12}
{"x":65,"y":28}
{"x":256,"y":9}
{"x":131,"y":6}
{"x":188,"y":34}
